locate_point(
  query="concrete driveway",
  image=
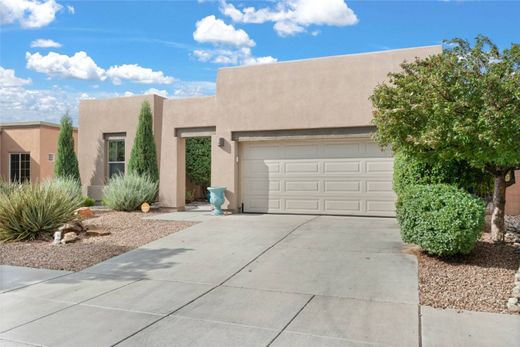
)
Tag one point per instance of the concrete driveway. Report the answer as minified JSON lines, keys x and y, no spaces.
{"x":241,"y":280}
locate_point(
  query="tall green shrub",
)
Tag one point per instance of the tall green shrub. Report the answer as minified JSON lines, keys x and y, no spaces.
{"x":143,"y":159}
{"x":412,"y":170}
{"x":442,"y":219}
{"x":198,"y":160}
{"x":66,"y":161}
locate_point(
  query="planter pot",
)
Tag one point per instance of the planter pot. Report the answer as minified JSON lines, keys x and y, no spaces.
{"x":216,"y":198}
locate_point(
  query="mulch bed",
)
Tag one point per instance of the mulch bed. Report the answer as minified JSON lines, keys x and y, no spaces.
{"x":480,"y":281}
{"x":128,"y":231}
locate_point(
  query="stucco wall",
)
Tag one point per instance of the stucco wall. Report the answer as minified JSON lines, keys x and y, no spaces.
{"x":99,"y":117}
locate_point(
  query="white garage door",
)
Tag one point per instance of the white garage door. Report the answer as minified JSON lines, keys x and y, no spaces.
{"x":340,"y":177}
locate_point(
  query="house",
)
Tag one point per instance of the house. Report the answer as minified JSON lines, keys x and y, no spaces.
{"x":288,"y":137}
{"x":28,"y":150}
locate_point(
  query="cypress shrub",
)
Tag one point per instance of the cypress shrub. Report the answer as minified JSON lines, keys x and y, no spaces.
{"x":143,"y":158}
{"x":66,"y":165}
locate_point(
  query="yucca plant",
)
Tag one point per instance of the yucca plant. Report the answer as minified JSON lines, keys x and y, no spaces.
{"x":127,"y":193}
{"x":7,"y":187}
{"x":33,"y":210}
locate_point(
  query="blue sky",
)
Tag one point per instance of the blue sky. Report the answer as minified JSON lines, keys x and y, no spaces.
{"x":54,"y":53}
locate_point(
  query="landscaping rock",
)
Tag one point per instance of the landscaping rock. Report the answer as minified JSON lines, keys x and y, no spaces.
{"x":74,"y":226}
{"x":84,"y":212}
{"x":97,"y":232}
{"x":70,"y":237}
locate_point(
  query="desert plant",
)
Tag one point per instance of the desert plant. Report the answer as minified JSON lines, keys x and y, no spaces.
{"x":7,"y":187}
{"x":127,"y":193}
{"x":33,"y":210}
{"x":66,"y":165}
{"x":442,"y":219}
{"x":143,"y":158}
{"x":67,"y":184}
{"x":410,"y":170}
{"x":88,"y":201}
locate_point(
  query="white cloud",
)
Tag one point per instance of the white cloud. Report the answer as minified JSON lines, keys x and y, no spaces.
{"x":45,"y":43}
{"x":294,"y":16}
{"x":29,"y":13}
{"x":71,"y":9}
{"x":151,"y":91}
{"x":9,"y":79}
{"x":79,"y":66}
{"x":184,"y":89}
{"x":242,"y":56}
{"x":137,"y":74}
{"x":21,"y":104}
{"x":214,"y":31}
{"x":127,"y":93}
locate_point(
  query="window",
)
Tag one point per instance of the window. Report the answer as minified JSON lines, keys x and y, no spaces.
{"x":19,"y":167}
{"x":116,"y":156}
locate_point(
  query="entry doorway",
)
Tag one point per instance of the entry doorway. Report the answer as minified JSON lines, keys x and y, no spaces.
{"x":198,"y":169}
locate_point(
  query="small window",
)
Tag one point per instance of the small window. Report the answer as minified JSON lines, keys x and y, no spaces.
{"x":19,"y":167}
{"x":116,"y":157}
{"x":51,"y":156}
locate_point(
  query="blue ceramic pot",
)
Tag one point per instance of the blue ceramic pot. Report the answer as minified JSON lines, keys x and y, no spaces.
{"x":216,"y":198}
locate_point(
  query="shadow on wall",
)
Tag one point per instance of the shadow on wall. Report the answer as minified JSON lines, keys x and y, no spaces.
{"x":10,"y":145}
{"x":97,"y":178}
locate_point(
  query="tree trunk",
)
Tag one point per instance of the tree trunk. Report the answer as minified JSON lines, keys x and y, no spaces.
{"x":499,"y":205}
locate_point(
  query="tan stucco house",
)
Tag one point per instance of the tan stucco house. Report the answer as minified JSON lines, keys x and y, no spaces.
{"x":288,"y":137}
{"x":28,"y":150}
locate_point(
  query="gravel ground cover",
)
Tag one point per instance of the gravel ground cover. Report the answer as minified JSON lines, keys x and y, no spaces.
{"x":480,"y":281}
{"x":128,"y":231}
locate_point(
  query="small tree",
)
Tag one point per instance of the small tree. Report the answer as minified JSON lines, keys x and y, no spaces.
{"x":463,"y":104}
{"x":198,"y":160}
{"x":143,"y":159}
{"x":66,"y":165}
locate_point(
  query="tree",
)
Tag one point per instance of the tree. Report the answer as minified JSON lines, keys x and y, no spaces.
{"x":143,"y":159}
{"x":66,"y":165}
{"x":198,"y":160}
{"x":462,"y":104}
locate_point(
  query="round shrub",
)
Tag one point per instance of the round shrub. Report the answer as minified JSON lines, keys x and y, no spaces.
{"x":32,"y":210}
{"x":70,"y":185}
{"x":410,"y":170}
{"x":442,"y":219}
{"x":127,"y":193}
{"x":88,"y":201}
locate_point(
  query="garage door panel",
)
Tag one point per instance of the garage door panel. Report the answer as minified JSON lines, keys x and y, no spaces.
{"x":302,"y":186}
{"x":341,"y":187}
{"x":301,"y":205}
{"x":302,"y":168}
{"x":342,"y":167}
{"x":341,"y":177}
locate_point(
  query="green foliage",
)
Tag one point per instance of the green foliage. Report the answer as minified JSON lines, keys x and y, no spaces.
{"x":127,"y":193}
{"x":33,"y":210}
{"x":68,"y":184}
{"x":410,"y":171}
{"x":88,"y":201}
{"x":143,"y":159}
{"x":7,"y":187}
{"x":440,"y":218}
{"x":198,"y":160}
{"x":463,"y":104}
{"x":66,"y":161}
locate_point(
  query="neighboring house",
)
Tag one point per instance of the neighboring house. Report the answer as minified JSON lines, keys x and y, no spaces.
{"x":28,"y":150}
{"x":288,"y":137}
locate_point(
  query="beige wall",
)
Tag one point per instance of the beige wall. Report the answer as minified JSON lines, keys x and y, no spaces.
{"x":38,"y":140}
{"x":97,"y":118}
{"x":309,"y":94}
